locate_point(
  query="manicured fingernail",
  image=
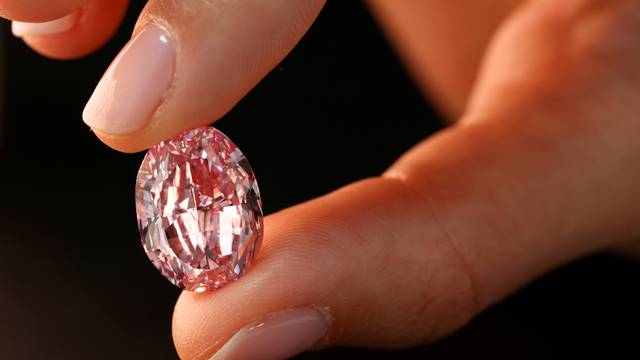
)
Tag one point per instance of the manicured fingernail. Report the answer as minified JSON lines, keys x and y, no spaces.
{"x":278,"y":336}
{"x":134,"y":85}
{"x":65,"y":23}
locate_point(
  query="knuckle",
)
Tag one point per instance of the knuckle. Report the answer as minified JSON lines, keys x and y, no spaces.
{"x":446,"y":293}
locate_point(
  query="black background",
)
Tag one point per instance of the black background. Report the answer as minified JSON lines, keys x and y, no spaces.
{"x":75,"y":283}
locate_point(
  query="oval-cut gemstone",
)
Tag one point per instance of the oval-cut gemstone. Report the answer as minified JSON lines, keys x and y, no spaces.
{"x":199,"y":209}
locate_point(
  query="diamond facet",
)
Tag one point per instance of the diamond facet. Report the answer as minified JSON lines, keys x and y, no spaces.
{"x":199,"y":209}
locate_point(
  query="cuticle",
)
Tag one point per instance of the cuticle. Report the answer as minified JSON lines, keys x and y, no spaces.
{"x":329,"y":321}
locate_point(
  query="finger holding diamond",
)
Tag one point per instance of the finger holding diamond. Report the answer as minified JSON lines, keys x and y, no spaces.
{"x":332,"y":271}
{"x":409,"y":257}
{"x":186,"y":66}
{"x":522,"y":185}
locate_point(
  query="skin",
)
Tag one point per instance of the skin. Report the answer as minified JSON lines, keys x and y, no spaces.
{"x":539,"y":169}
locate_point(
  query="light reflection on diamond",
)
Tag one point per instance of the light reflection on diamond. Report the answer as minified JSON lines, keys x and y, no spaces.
{"x":199,"y":209}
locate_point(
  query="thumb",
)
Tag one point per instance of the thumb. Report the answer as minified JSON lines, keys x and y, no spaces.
{"x":187,"y":65}
{"x":460,"y":221}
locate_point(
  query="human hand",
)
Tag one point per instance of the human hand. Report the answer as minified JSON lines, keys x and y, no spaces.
{"x":521,"y":184}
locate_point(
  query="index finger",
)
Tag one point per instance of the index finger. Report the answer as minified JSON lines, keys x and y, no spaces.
{"x":38,"y":10}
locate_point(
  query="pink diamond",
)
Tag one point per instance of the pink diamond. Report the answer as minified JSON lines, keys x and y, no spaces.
{"x":199,"y":209}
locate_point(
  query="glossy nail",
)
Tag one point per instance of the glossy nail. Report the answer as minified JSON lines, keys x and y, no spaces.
{"x":278,"y":336}
{"x":65,"y":23}
{"x":135,"y":84}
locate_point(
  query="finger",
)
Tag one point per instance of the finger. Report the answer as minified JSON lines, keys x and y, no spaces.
{"x":38,"y":10}
{"x":188,"y":65}
{"x":597,"y":37}
{"x":442,"y":43}
{"x":408,"y":258}
{"x":76,"y":34}
{"x":340,"y":256}
{"x":470,"y":216}
{"x":459,"y":222}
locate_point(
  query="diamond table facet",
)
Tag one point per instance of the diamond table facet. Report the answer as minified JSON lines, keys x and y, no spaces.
{"x":199,"y":209}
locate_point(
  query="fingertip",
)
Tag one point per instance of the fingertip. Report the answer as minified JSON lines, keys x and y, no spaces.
{"x":183,"y":325}
{"x":141,"y":139}
{"x":20,"y":29}
{"x":279,"y":281}
{"x":37,"y":11}
{"x":184,"y":69}
{"x":123,"y":143}
{"x":76,"y":34}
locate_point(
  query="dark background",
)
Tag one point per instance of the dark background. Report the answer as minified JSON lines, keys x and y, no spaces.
{"x":75,"y":283}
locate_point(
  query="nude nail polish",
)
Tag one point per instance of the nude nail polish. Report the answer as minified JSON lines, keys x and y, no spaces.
{"x":134,"y":85}
{"x":278,"y":336}
{"x":63,"y":24}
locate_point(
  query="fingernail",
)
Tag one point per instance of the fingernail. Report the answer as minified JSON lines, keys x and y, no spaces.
{"x":134,"y":85}
{"x":65,"y":23}
{"x":279,"y":336}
